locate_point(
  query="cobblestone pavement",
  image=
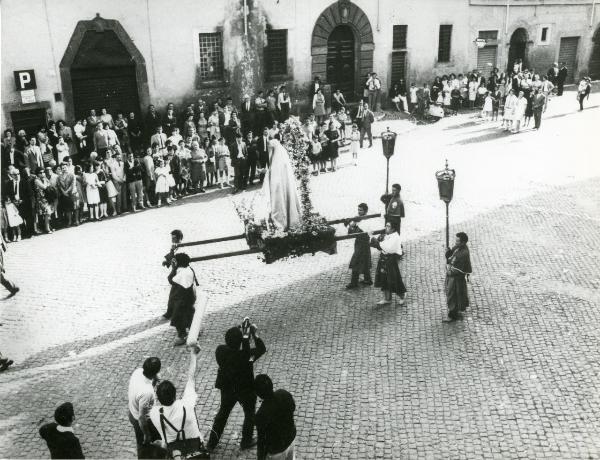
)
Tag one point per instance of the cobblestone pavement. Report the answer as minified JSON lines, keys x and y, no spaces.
{"x":516,"y":378}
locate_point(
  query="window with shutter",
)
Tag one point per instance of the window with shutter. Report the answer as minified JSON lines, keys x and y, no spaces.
{"x":399,"y":37}
{"x":276,"y":52}
{"x":444,"y":43}
{"x":398,"y":66}
{"x":211,"y":56}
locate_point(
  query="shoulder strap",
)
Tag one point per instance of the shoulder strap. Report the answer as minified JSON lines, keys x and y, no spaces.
{"x":164,"y":419}
{"x":195,"y":279}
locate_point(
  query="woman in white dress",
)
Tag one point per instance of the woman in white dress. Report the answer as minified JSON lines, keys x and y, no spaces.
{"x":281,"y":203}
{"x":162,"y":183}
{"x":92,"y":192}
{"x":519,"y":112}
{"x":509,"y":107}
{"x":62,"y":150}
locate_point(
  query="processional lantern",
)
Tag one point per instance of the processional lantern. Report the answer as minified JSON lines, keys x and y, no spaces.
{"x":445,"y":181}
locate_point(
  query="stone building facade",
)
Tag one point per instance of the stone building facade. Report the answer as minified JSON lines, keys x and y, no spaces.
{"x":124,"y":55}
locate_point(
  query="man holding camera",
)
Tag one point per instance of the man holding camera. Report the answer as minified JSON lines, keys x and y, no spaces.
{"x":235,"y":379}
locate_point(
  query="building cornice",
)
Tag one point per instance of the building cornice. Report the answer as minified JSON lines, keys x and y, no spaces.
{"x":517,"y":3}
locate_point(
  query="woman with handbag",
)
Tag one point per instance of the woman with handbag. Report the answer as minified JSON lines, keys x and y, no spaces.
{"x":44,"y":194}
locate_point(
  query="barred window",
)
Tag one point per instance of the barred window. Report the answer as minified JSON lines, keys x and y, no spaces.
{"x":444,"y":43}
{"x":276,"y":52}
{"x":211,"y":56}
{"x":399,"y":37}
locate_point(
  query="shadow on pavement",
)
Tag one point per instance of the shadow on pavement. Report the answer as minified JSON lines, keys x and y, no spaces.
{"x":351,"y":365}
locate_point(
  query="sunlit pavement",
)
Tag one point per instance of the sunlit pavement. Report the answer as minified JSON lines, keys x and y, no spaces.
{"x":515,"y":379}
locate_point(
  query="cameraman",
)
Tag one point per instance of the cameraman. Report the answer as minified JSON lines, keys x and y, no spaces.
{"x":235,"y":379}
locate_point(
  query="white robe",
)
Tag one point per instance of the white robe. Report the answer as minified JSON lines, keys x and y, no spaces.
{"x":280,"y":198}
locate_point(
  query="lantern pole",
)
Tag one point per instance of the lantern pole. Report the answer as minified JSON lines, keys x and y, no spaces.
{"x":445,"y":179}
{"x":447,"y":226}
{"x":387,"y":178}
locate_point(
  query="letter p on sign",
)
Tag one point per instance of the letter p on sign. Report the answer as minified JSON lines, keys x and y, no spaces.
{"x":25,"y":79}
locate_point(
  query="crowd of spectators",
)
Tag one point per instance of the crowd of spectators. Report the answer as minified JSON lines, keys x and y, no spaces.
{"x":106,"y":165}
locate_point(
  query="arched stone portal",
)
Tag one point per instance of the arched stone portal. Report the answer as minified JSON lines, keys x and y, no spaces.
{"x":594,"y":67}
{"x":518,"y":48}
{"x":102,"y":67}
{"x":342,"y":36}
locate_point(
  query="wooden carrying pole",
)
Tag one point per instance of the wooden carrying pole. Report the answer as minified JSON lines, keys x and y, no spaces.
{"x":242,"y":236}
{"x":244,"y":252}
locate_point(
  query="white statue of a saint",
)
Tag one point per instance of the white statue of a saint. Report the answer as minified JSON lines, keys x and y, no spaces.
{"x":280,"y":200}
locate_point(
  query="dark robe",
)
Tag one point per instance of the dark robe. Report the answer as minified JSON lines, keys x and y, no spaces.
{"x":361,"y":258}
{"x":458,"y":266}
{"x":181,"y":303}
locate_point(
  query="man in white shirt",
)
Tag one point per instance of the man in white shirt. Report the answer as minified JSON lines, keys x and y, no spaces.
{"x":374,"y":86}
{"x":159,"y":139}
{"x":174,"y":416}
{"x":141,"y":400}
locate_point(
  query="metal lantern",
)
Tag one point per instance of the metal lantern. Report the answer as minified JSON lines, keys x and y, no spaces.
{"x":388,"y":142}
{"x":445,"y":180}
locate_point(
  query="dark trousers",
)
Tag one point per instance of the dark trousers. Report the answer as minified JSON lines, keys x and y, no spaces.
{"x":145,"y":450}
{"x":537,"y":116}
{"x":8,"y":284}
{"x":560,"y":85}
{"x":229,"y":399}
{"x":121,"y":198}
{"x":366,"y":130}
{"x":251,"y":170}
{"x":262,"y":162}
{"x":241,"y":174}
{"x":355,"y":274}
{"x":581,"y":97}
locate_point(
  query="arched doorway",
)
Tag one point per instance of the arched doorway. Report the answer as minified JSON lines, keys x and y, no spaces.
{"x":340,"y":59}
{"x":595,"y":57}
{"x":102,"y":68}
{"x":518,"y":48}
{"x":103,"y":76}
{"x":342,"y":40}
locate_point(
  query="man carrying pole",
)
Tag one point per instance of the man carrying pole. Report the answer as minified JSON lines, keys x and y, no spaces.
{"x":458,"y":269}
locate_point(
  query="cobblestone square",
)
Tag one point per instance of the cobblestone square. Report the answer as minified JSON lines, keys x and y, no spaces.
{"x":517,"y":378}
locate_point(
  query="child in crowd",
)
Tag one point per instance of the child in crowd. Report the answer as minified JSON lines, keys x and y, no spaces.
{"x":162,"y":184}
{"x":447,"y":102}
{"x":343,"y":120}
{"x":210,"y":145}
{"x":497,"y":96}
{"x":324,"y":140}
{"x":488,"y":108}
{"x":11,"y":219}
{"x":455,"y":100}
{"x":170,"y":179}
{"x":315,"y":153}
{"x":355,"y":141}
{"x":413,"y":96}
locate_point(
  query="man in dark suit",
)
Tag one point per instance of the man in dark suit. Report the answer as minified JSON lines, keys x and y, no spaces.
{"x":562,"y":76}
{"x":133,"y":179}
{"x":152,"y":121}
{"x":553,"y":73}
{"x":252,"y":158}
{"x":365,"y":118}
{"x":262,"y":147}
{"x":239,"y":157}
{"x":247,"y":115}
{"x":62,"y":442}
{"x":235,"y":380}
{"x":538,"y":104}
{"x":16,"y":190}
{"x":12,"y":157}
{"x":274,"y":421}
